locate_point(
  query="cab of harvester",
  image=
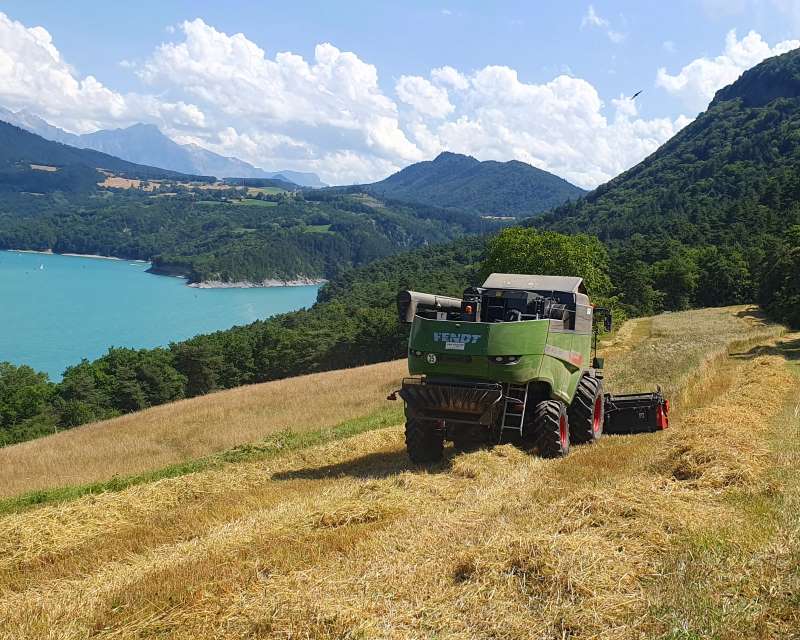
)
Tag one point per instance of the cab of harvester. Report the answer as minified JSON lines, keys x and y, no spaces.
{"x":510,"y":361}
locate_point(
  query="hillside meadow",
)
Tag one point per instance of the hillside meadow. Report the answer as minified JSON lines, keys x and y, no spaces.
{"x":684,"y":534}
{"x":189,"y":429}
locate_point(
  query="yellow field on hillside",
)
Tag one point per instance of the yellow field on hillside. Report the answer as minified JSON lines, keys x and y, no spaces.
{"x":117,"y":182}
{"x":691,"y":533}
{"x":192,"y":428}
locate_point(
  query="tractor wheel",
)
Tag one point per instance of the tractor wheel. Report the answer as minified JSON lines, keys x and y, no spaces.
{"x":424,"y":443}
{"x":548,"y":429}
{"x":470,"y":438}
{"x":587,"y":411}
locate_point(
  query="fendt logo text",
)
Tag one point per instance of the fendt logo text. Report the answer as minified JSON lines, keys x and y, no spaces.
{"x":455,"y":341}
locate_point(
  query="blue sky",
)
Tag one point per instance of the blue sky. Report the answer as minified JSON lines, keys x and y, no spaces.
{"x":541,"y":82}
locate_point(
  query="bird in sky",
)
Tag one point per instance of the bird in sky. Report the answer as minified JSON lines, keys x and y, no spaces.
{"x":633,"y":97}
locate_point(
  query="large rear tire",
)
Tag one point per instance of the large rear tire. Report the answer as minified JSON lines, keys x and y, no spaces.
{"x":547,"y":429}
{"x":587,"y":411}
{"x":424,"y":443}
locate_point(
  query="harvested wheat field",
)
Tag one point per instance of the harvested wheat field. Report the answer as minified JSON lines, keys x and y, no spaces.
{"x":692,"y":533}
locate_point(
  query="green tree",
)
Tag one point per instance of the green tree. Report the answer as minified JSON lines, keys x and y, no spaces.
{"x":25,"y":395}
{"x":158,"y":377}
{"x":676,"y":277}
{"x":82,"y":395}
{"x":521,"y":250}
{"x":634,"y":282}
{"x":723,"y":277}
{"x":782,"y":290}
{"x":199,"y":363}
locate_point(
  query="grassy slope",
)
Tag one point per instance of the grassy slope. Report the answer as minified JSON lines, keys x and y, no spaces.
{"x":347,"y":540}
{"x":186,"y":430}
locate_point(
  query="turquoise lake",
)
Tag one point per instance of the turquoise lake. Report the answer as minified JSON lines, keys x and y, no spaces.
{"x":55,"y":310}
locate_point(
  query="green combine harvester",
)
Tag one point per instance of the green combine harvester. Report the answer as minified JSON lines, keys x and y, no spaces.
{"x":512,"y":361}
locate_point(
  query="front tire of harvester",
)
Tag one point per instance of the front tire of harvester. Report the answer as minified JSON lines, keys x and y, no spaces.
{"x":548,"y":429}
{"x":587,"y":411}
{"x":425,"y":444}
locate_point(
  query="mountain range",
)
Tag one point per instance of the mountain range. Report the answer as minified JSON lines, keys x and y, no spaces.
{"x":490,"y":188}
{"x":30,"y":163}
{"x":146,"y":144}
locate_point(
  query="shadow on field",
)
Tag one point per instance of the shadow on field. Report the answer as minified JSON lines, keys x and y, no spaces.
{"x":789,"y":349}
{"x":370,"y":466}
{"x":754,"y":314}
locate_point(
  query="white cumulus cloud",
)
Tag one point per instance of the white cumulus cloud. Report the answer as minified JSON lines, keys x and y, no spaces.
{"x":560,"y":126}
{"x":449,"y":76}
{"x":34,"y":75}
{"x":321,"y":108}
{"x":697,"y":82}
{"x":426,"y":98}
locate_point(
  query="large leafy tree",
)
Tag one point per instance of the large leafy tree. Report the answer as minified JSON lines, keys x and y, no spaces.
{"x":520,"y":250}
{"x":24,"y":393}
{"x":676,"y":277}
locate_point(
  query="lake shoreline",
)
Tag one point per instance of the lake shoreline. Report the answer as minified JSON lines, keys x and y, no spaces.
{"x":264,"y":284}
{"x":46,"y":252}
{"x":50,"y":252}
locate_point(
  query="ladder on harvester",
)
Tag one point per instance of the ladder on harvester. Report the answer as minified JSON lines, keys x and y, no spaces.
{"x":516,"y":401}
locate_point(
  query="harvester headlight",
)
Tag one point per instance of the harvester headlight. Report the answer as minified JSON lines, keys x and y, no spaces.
{"x":418,"y":354}
{"x":506,"y":359}
{"x":431,"y":358}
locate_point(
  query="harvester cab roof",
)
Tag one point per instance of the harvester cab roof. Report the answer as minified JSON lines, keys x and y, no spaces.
{"x":566,"y":284}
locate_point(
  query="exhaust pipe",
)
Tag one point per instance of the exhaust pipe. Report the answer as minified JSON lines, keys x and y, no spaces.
{"x":409,"y":301}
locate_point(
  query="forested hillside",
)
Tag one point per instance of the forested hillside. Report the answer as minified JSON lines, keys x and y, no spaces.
{"x":56,"y":197}
{"x":221,"y":235}
{"x":712,"y":217}
{"x":487,"y":188}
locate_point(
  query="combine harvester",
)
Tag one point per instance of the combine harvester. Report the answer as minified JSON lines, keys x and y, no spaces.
{"x":512,"y":361}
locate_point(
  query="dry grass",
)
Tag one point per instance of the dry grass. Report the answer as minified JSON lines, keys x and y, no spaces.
{"x":694,"y":343}
{"x":740,"y":577}
{"x":192,"y":428}
{"x":117,"y":182}
{"x":347,"y":540}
